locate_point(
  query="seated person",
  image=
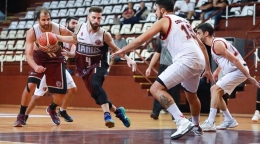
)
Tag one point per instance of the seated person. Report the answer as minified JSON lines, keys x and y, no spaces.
{"x":184,"y":8}
{"x":120,"y":43}
{"x":206,"y":7}
{"x":141,"y":14}
{"x":129,"y":11}
{"x":217,"y":4}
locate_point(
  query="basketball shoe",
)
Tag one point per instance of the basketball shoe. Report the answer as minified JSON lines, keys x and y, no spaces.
{"x":227,"y":124}
{"x":20,"y":120}
{"x":123,"y":117}
{"x":183,"y":126}
{"x":54,"y":117}
{"x":109,"y":122}
{"x":208,"y":127}
{"x":197,"y":130}
{"x":256,"y":116}
{"x":64,"y":114}
{"x":26,"y":118}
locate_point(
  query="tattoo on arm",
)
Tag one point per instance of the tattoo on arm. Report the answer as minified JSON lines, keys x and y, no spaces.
{"x":164,"y":101}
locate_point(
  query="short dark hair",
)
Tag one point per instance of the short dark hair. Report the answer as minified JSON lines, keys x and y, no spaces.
{"x":38,"y":11}
{"x":167,"y":4}
{"x":68,"y":19}
{"x":96,"y":9}
{"x":206,"y":27}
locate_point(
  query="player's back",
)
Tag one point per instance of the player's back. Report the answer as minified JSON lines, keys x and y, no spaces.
{"x":180,"y":41}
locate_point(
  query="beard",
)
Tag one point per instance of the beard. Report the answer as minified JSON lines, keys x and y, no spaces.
{"x":46,"y":27}
{"x":94,"y":27}
{"x":71,"y":29}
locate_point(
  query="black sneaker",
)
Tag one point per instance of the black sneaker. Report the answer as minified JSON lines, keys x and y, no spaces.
{"x":20,"y":120}
{"x":154,"y":116}
{"x":64,"y":114}
{"x":25,"y":119}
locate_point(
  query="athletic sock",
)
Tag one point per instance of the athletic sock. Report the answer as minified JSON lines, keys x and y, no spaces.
{"x":53,"y":106}
{"x":176,"y":113}
{"x":23,"y":109}
{"x":227,"y":115}
{"x":212,"y":115}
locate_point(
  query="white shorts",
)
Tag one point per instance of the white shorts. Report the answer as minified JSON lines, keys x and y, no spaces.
{"x":231,"y":80}
{"x":43,"y":86}
{"x":179,"y":73}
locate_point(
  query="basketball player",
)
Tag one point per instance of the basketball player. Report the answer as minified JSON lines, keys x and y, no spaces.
{"x":50,"y":64}
{"x":235,"y":72}
{"x":71,"y":22}
{"x":189,"y":59}
{"x":92,"y":45}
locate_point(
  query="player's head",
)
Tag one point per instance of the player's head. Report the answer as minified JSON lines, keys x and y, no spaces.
{"x":95,"y":17}
{"x":43,"y":16}
{"x":71,"y":22}
{"x":163,"y":7}
{"x":204,"y":31}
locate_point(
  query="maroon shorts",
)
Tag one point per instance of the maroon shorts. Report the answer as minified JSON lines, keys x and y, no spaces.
{"x":55,"y":77}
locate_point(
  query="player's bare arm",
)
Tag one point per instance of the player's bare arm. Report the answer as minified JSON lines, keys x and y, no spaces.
{"x":216,"y":73}
{"x":154,"y":59}
{"x":71,"y":53}
{"x":109,"y":41}
{"x":29,"y":48}
{"x":69,"y":38}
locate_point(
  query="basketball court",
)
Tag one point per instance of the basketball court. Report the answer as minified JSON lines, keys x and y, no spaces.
{"x":88,"y":127}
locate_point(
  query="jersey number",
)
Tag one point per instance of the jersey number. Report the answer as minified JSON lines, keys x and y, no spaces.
{"x":88,"y":60}
{"x":188,"y":30}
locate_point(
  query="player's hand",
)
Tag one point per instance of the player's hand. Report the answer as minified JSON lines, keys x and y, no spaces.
{"x":209,"y":76}
{"x":65,"y":53}
{"x":148,"y":72}
{"x":132,"y":64}
{"x":254,"y":81}
{"x":215,"y":75}
{"x":119,"y":53}
{"x":39,"y":69}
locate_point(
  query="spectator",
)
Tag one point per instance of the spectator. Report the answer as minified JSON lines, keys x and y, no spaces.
{"x":129,"y":11}
{"x":217,"y":4}
{"x":120,"y":43}
{"x":141,"y":14}
{"x":206,"y":7}
{"x":184,"y":8}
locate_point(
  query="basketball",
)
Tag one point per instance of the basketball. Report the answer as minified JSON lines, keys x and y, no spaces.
{"x":48,"y":42}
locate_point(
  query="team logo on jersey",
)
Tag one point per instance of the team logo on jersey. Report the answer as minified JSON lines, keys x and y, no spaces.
{"x":98,"y":42}
{"x":58,"y":83}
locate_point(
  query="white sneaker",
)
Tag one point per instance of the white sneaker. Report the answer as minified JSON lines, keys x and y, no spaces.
{"x":256,"y":116}
{"x":208,"y":127}
{"x":227,"y":124}
{"x":183,"y":126}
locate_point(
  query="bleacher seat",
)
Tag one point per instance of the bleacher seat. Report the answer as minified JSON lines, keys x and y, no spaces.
{"x":55,"y":20}
{"x":9,"y":56}
{"x":78,"y":3}
{"x":71,"y":12}
{"x":46,"y":4}
{"x":54,"y":13}
{"x":137,"y":28}
{"x":123,"y":1}
{"x":63,"y":22}
{"x":109,"y":19}
{"x":3,"y":45}
{"x":62,"y":13}
{"x":4,"y":34}
{"x":21,"y":24}
{"x":107,"y":28}
{"x":87,"y":3}
{"x":62,"y":4}
{"x":150,"y":18}
{"x":70,"y":4}
{"x":54,"y":4}
{"x":80,"y":12}
{"x":82,"y":20}
{"x":29,"y":24}
{"x":146,"y":26}
{"x":126,"y":29}
{"x":105,"y":2}
{"x":19,"y":45}
{"x":96,"y":2}
{"x":13,"y":25}
{"x":129,"y":39}
{"x":29,"y":15}
{"x":11,"y":34}
{"x":20,"y":34}
{"x":247,"y":11}
{"x":107,"y":10}
{"x":10,"y":45}
{"x":115,"y":29}
{"x":117,"y":9}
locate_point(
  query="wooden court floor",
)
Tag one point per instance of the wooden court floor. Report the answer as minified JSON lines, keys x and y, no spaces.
{"x":88,"y":127}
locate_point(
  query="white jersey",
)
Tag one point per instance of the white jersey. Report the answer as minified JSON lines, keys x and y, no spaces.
{"x":89,"y":44}
{"x":181,"y":44}
{"x":226,"y":65}
{"x":38,"y":32}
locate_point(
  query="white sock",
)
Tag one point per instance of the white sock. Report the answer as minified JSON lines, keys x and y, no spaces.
{"x":212,"y":115}
{"x":176,"y":113}
{"x":196,"y":120}
{"x":61,"y":109}
{"x":227,"y":115}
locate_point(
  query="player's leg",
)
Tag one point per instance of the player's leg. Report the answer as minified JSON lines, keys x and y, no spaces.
{"x":68,"y":98}
{"x":57,"y":85}
{"x":173,"y":75}
{"x":33,"y":80}
{"x":38,"y":93}
{"x":256,"y":115}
